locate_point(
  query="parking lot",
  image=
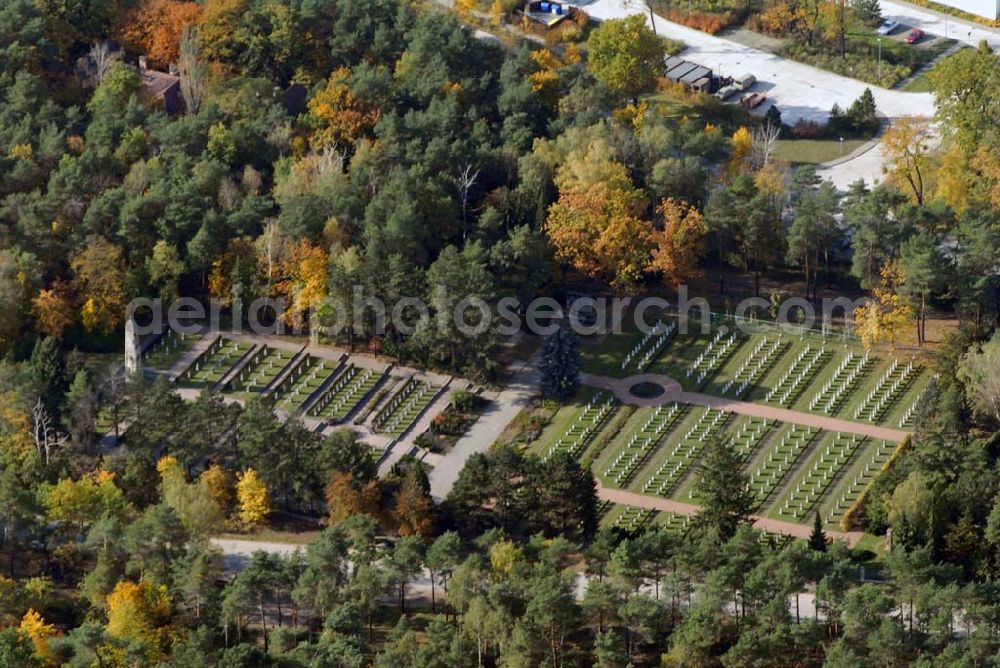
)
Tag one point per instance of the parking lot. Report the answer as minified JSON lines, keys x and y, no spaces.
{"x":800,"y":91}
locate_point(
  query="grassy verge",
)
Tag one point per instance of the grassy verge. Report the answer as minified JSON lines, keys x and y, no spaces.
{"x":815,"y":151}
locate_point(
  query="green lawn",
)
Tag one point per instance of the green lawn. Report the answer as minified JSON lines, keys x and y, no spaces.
{"x":267,"y":364}
{"x":215,"y":363}
{"x":313,"y":372}
{"x":169,"y":348}
{"x":562,"y":421}
{"x":851,"y":464}
{"x":604,"y":357}
{"x":815,"y":151}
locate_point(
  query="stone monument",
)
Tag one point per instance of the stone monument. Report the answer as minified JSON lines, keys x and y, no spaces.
{"x":133,"y":355}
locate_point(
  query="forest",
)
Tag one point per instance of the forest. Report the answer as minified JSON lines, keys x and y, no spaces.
{"x":328,"y":144}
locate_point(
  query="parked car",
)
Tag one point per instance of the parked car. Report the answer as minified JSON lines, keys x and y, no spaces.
{"x":915,"y":36}
{"x":887,"y":27}
{"x":745,"y":81}
{"x":753,"y":100}
{"x":727,"y":91}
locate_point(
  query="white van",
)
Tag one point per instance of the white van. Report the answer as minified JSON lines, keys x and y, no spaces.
{"x":745,"y":81}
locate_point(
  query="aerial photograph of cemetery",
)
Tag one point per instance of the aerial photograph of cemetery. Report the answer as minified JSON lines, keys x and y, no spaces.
{"x":499,"y":333}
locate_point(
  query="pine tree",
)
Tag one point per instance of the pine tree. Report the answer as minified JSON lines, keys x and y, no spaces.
{"x":560,"y":364}
{"x":47,"y":369}
{"x":863,"y":114}
{"x":817,"y":539}
{"x":724,"y":490}
{"x":869,"y":11}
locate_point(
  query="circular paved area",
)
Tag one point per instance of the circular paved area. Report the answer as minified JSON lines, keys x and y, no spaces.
{"x":647,"y":390}
{"x":672,"y":391}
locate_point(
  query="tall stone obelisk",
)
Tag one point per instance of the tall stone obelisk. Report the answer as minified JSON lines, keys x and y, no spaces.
{"x":133,"y":354}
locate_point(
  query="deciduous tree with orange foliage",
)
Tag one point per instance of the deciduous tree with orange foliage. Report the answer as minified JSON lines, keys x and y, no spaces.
{"x":414,"y":510}
{"x":33,"y":625}
{"x":595,"y":226}
{"x":336,"y":113}
{"x":154,"y":27}
{"x":54,"y":310}
{"x":346,"y":496}
{"x":234,"y":271}
{"x":680,"y":245}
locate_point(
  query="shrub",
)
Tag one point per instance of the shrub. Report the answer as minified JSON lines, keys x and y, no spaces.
{"x":709,"y":22}
{"x":860,"y":65}
{"x":808,"y":129}
{"x":673,"y":46}
{"x":463,"y":400}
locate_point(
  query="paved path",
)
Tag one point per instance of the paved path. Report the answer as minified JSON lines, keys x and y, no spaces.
{"x":673,"y":392}
{"x":504,"y":407}
{"x":236,"y":553}
{"x":680,"y":508}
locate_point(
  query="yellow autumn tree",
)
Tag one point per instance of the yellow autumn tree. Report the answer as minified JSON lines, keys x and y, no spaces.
{"x":906,"y":155}
{"x":680,"y":245}
{"x":504,"y":557}
{"x":740,"y":145}
{"x":82,"y":502}
{"x":252,"y":497}
{"x":140,"y":613}
{"x":16,"y":441}
{"x":986,"y":166}
{"x":34,"y":626}
{"x":305,"y":286}
{"x":545,"y":80}
{"x":633,"y":114}
{"x":497,"y":12}
{"x":99,"y":280}
{"x":952,"y":179}
{"x":337,"y":114}
{"x":888,"y":313}
{"x":772,"y":180}
{"x":193,"y":502}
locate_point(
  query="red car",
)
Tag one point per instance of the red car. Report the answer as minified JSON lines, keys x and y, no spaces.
{"x":915,"y":36}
